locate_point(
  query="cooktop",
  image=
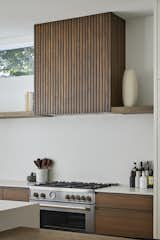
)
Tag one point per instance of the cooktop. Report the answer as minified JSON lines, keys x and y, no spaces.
{"x":82,"y":185}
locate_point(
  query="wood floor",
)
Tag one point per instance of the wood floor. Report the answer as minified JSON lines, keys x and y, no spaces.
{"x":33,"y":234}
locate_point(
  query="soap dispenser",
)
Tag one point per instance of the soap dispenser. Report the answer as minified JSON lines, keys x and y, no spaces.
{"x":143,"y":181}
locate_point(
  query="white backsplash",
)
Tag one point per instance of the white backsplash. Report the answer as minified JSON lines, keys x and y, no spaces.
{"x":98,"y":148}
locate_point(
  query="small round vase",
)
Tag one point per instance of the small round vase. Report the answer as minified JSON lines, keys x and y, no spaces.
{"x":130,"y":88}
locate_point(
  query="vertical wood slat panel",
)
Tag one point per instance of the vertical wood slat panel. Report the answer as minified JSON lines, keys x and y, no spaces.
{"x":117,"y":59}
{"x":88,"y":64}
{"x":70,"y":66}
{"x":79,"y":64}
{"x":92,"y":65}
{"x":65,"y":67}
{"x":47,"y":74}
{"x":74,"y":66}
{"x":43,"y":72}
{"x":59,"y":70}
{"x":42,"y":81}
{"x":78,"y":67}
{"x":57,"y":67}
{"x":100,"y":65}
{"x":95,"y":79}
{"x":53,"y":66}
{"x":106,"y":66}
{"x":37,"y":69}
{"x":85,"y":75}
{"x":83,"y":65}
{"x":51,"y":69}
{"x":102,"y":54}
{"x":61,"y":65}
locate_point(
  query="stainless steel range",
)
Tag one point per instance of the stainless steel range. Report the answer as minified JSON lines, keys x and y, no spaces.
{"x":67,"y":205}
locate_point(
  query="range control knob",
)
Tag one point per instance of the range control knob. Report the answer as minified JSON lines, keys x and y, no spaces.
{"x":83,"y":198}
{"x":67,"y":197}
{"x":72,"y":197}
{"x":36,"y":195}
{"x":52,"y":195}
{"x":88,"y":198}
{"x":43,"y":195}
{"x":78,"y":197}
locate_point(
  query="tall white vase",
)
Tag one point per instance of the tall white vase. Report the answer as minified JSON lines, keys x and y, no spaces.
{"x":130,"y":88}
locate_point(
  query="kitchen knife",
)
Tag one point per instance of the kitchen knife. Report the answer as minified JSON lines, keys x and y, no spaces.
{"x":37,"y":165}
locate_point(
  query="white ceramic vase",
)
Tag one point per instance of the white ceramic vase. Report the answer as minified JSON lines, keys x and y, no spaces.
{"x":130,"y":88}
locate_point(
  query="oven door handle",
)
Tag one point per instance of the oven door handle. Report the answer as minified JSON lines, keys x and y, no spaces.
{"x":65,"y":207}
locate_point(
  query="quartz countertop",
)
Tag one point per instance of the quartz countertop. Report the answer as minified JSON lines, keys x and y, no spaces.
{"x":8,"y":205}
{"x":125,"y":190}
{"x":117,"y":189}
{"x":14,"y":183}
{"x":42,"y":234}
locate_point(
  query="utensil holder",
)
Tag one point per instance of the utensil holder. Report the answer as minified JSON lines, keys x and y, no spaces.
{"x":42,"y":176}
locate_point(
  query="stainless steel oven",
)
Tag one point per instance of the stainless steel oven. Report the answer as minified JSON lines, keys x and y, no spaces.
{"x":69,"y":217}
{"x":67,"y":205}
{"x":66,"y":209}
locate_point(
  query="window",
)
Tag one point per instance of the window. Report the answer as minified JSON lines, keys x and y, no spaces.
{"x":17,"y":62}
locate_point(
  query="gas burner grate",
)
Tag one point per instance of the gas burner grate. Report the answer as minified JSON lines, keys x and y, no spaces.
{"x":81,"y":185}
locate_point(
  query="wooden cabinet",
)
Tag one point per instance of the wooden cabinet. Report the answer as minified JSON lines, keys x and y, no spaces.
{"x":124,"y":215}
{"x":15,"y":194}
{"x":79,"y":64}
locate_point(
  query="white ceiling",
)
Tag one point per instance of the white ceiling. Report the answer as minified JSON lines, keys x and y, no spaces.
{"x":18,"y":17}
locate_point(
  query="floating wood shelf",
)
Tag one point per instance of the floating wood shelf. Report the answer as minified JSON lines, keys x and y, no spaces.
{"x":132,"y":110}
{"x":22,"y":115}
{"x":17,"y":114}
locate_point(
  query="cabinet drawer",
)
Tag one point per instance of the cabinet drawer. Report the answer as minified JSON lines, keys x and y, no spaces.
{"x":124,"y":222}
{"x":16,"y":194}
{"x":124,"y":201}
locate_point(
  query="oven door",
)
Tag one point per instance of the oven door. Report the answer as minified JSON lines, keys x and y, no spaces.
{"x":69,"y":217}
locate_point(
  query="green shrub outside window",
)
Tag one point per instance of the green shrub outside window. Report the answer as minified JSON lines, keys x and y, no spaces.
{"x":17,"y":62}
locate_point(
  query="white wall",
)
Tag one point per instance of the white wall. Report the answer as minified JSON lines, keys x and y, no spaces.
{"x":12,"y":92}
{"x":98,"y":147}
{"x":89,"y":147}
